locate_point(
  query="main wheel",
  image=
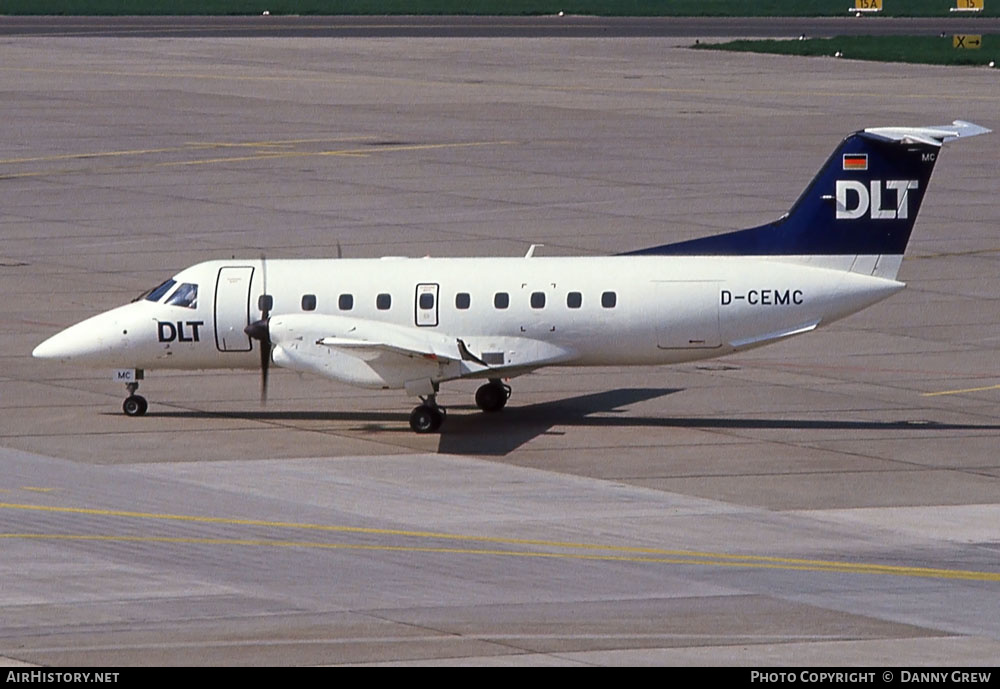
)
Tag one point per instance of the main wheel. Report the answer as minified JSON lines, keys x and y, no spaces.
{"x":135,"y":405}
{"x":425,"y":419}
{"x":491,"y":397}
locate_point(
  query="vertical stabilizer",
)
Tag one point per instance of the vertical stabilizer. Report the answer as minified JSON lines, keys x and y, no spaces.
{"x":859,"y":210}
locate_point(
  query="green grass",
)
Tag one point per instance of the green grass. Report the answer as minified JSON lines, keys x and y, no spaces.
{"x":921,"y":49}
{"x":737,"y":8}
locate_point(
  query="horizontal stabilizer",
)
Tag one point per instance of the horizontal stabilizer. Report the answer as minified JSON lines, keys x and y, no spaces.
{"x":934,"y":136}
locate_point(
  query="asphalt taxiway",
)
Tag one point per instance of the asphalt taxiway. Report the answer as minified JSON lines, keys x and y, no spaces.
{"x":833,"y":499}
{"x":542,"y":26}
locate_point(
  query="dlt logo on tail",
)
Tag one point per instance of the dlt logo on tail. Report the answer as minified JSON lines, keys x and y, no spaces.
{"x":870,"y":202}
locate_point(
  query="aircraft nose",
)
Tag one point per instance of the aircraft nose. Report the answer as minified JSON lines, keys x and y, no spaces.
{"x":70,"y":344}
{"x":89,"y":342}
{"x":56,"y":347}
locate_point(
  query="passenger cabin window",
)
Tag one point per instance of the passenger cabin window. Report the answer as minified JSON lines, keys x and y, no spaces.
{"x":157,"y":293}
{"x":574,"y":300}
{"x":345,"y":302}
{"x":265,"y":302}
{"x":538,"y":300}
{"x":308,"y":302}
{"x":501,"y":300}
{"x":383,"y":302}
{"x":426,"y":301}
{"x":609,"y":300}
{"x":462,"y":300}
{"x":186,"y":295}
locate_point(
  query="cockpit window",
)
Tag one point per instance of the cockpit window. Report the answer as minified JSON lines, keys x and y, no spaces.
{"x":157,"y":293}
{"x":186,"y":295}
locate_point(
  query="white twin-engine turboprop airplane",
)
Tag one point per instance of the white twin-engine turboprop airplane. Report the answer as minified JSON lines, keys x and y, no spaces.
{"x":413,"y":324}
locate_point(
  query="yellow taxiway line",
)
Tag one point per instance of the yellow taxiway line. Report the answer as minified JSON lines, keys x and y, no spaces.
{"x":959,"y":392}
{"x":267,"y":150}
{"x":590,"y":551}
{"x":192,"y":146}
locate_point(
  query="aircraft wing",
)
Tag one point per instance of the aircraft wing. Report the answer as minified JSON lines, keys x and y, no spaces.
{"x":372,"y":349}
{"x":377,"y":354}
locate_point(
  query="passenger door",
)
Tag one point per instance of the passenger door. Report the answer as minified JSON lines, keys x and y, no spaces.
{"x":232,"y":308}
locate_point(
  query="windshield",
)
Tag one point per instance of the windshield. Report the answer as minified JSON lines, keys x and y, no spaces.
{"x":186,"y":295}
{"x":156,"y":293}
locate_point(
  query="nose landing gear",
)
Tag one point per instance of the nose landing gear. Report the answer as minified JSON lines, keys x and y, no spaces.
{"x":134,"y":405}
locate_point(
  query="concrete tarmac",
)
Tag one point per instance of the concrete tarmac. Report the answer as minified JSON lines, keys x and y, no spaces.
{"x":830,"y":500}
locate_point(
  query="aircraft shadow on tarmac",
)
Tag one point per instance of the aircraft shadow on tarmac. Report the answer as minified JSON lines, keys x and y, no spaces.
{"x":466,"y":431}
{"x":500,"y":434}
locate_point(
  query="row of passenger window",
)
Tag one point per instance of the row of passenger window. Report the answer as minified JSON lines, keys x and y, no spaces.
{"x":537,"y":300}
{"x":463,"y":301}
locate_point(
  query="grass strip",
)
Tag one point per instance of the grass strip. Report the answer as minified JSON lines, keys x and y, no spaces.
{"x":931,"y":50}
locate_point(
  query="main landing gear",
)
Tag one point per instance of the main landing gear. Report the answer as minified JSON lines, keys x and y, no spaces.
{"x":428,"y":417}
{"x":134,"y":405}
{"x":493,"y":396}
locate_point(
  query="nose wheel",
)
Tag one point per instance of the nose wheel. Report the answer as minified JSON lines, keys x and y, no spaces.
{"x":134,"y":405}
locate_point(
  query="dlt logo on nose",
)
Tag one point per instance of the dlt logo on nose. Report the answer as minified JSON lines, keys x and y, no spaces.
{"x":168,"y":332}
{"x":872,"y":200}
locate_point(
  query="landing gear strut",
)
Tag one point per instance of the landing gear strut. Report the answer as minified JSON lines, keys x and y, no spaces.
{"x":134,"y":405}
{"x":493,"y":396}
{"x":428,"y":417}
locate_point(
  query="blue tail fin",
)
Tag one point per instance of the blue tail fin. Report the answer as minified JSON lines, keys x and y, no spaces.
{"x":864,"y":200}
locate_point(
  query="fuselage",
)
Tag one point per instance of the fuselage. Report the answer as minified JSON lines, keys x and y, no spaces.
{"x":414,"y":323}
{"x":580,"y":311}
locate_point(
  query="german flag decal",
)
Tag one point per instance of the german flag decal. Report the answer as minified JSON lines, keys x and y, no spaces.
{"x":855,"y":161}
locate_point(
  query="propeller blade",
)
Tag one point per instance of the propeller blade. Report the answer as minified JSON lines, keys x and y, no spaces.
{"x":265,"y":303}
{"x":265,"y":365}
{"x":260,"y":330}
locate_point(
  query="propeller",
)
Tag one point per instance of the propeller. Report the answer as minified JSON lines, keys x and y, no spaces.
{"x":260,"y":330}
